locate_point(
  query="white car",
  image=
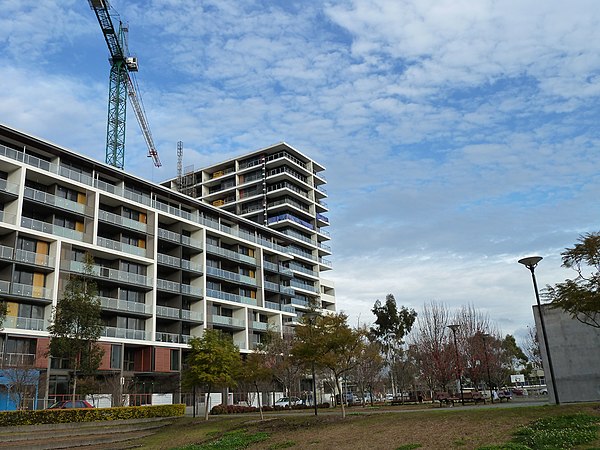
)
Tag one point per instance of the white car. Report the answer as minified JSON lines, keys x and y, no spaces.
{"x":288,"y":401}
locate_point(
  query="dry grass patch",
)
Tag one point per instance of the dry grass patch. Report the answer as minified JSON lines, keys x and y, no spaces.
{"x":456,"y":428}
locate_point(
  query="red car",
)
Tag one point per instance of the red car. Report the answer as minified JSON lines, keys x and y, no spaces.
{"x":64,"y":404}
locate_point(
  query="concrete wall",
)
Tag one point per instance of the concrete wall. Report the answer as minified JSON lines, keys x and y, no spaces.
{"x":575,"y":352}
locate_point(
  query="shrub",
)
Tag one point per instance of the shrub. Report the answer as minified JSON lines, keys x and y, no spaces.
{"x":45,"y":416}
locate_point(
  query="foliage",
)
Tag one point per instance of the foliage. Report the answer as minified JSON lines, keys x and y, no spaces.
{"x":369,"y":364}
{"x":254,"y":374}
{"x":391,"y":324}
{"x":558,"y":432}
{"x":280,"y":359}
{"x":78,"y":325}
{"x":334,"y":345}
{"x":45,"y":416}
{"x":213,"y":361}
{"x":234,"y":440}
{"x":580,"y":296}
{"x":3,"y":311}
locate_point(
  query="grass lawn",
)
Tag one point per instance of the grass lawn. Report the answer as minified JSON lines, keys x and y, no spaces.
{"x":435,"y":428}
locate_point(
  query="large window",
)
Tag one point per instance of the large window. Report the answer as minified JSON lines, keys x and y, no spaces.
{"x":130,"y":323}
{"x":132,"y":296}
{"x":175,"y":359}
{"x":115,"y":356}
{"x":31,"y":311}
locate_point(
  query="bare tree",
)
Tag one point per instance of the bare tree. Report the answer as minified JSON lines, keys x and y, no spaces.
{"x":431,"y":347}
{"x":21,"y":383}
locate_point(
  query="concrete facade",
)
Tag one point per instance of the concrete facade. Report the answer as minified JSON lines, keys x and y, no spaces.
{"x":574,"y":349}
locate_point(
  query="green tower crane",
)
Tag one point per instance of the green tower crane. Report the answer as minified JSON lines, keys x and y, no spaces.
{"x":121,"y":87}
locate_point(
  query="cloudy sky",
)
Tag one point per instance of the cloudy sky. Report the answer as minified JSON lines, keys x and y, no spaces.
{"x":458,"y":135}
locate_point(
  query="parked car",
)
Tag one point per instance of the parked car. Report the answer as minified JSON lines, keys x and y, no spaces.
{"x":288,"y":401}
{"x":64,"y":404}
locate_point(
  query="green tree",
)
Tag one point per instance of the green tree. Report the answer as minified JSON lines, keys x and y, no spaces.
{"x":335,"y":345}
{"x":78,"y":325}
{"x":214,"y":361}
{"x":392,"y":324}
{"x":580,"y":296}
{"x":256,"y":373}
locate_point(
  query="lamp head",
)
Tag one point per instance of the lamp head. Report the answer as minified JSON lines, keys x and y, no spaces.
{"x":530,"y":262}
{"x":454,"y":327}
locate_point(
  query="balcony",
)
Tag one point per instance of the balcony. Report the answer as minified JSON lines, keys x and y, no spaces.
{"x":8,"y":187}
{"x":231,"y":297}
{"x":284,"y":217}
{"x":111,"y":274}
{"x":122,"y":221}
{"x":168,"y":235}
{"x":124,"y":333}
{"x":166,"y":311}
{"x":8,"y":218}
{"x":27,"y":290}
{"x":37,"y":259}
{"x":192,"y":291}
{"x":124,"y":305}
{"x":162,"y":336}
{"x":17,"y":359}
{"x":25,"y":323}
{"x":230,"y":254}
{"x":230,"y":321}
{"x":263,"y":326}
{"x":168,"y":260}
{"x":191,"y":266}
{"x":45,"y":227}
{"x":230,"y":276}
{"x":121,"y":247}
{"x":192,"y":316}
{"x":166,"y":285}
{"x":53,"y":200}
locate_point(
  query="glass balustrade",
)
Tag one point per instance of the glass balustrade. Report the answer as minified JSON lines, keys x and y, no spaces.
{"x":121,"y":247}
{"x":25,"y":323}
{"x":162,"y":336}
{"x":223,"y":320}
{"x":53,"y":200}
{"x":27,"y":290}
{"x":166,"y":311}
{"x":34,"y":258}
{"x":124,"y":305}
{"x":122,"y":221}
{"x":124,"y":333}
{"x":111,"y":274}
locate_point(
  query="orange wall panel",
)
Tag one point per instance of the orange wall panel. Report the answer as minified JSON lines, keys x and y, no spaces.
{"x":41,"y":353}
{"x":162,"y":359}
{"x":105,"y":363}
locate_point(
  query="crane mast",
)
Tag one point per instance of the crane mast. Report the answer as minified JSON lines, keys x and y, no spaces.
{"x":120,"y":88}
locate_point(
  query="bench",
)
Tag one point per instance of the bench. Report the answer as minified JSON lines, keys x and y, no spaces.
{"x":474,"y":396}
{"x":504,"y":395}
{"x":443,"y":398}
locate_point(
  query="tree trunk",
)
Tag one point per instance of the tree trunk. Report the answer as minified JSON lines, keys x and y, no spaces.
{"x":262,"y":417}
{"x":206,"y":400}
{"x":337,"y":383}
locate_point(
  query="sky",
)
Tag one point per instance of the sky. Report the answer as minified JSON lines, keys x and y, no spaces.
{"x":458,"y":135}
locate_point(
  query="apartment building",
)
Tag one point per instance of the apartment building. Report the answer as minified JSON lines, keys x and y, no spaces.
{"x":283,"y":189}
{"x":167,"y":265}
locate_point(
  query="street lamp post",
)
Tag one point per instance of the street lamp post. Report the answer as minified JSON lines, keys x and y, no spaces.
{"x":454,"y":328}
{"x":531,"y":262}
{"x":312,"y":318}
{"x":487,"y":364}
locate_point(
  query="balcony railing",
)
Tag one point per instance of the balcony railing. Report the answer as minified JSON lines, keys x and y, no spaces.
{"x":34,"y":258}
{"x":230,"y":254}
{"x":231,"y":297}
{"x":27,"y":290}
{"x":124,"y":305}
{"x":167,"y":285}
{"x":121,"y":247}
{"x":124,"y":333}
{"x":191,"y":266}
{"x":25,"y":323}
{"x":162,"y":336}
{"x":49,"y":228}
{"x":194,"y":291}
{"x":191,"y":315}
{"x":53,"y":200}
{"x":230,"y":276}
{"x":282,"y":217}
{"x":7,"y":186}
{"x":111,"y":274}
{"x":223,"y":320}
{"x":6,"y":252}
{"x":166,"y":311}
{"x":122,"y":221}
{"x":17,"y":359}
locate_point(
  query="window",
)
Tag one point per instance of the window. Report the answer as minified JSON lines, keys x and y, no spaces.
{"x":130,"y":323}
{"x":66,"y":193}
{"x":212,"y":240}
{"x":31,"y":311}
{"x":132,"y":296}
{"x":131,"y":267}
{"x":175,"y":359}
{"x":23,"y":277}
{"x":212,"y":263}
{"x":131,"y":214}
{"x":115,"y":356}
{"x":64,"y":222}
{"x":27,"y":244}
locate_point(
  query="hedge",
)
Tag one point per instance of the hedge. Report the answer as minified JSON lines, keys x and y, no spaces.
{"x":239,"y":409}
{"x":45,"y":416}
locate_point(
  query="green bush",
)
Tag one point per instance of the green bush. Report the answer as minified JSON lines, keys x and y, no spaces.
{"x":12,"y":418}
